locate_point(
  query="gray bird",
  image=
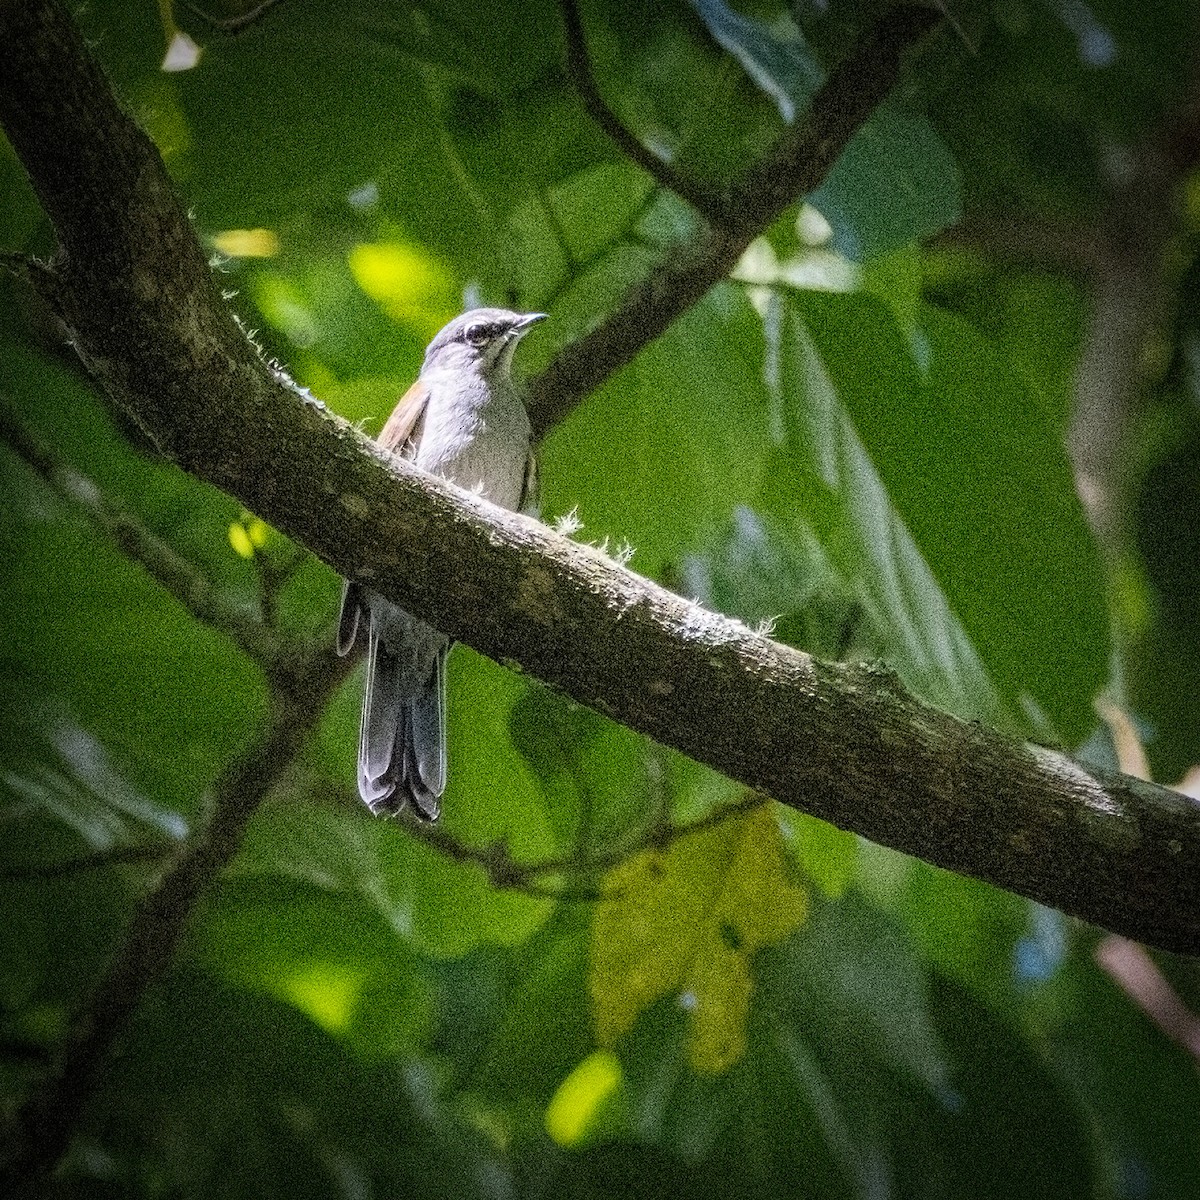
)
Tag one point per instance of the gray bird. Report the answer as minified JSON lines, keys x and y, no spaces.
{"x":463,"y":419}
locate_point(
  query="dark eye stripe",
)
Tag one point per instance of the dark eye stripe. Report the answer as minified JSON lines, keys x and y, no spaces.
{"x":478,"y":334}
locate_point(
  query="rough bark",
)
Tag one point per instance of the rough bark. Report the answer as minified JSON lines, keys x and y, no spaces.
{"x":844,"y":743}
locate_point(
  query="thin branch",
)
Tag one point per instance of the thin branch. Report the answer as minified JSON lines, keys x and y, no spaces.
{"x":48,"y":1120}
{"x":182,"y":579}
{"x":794,"y":167}
{"x":232,"y":24}
{"x":507,"y":873}
{"x":703,"y":197}
{"x":1022,"y":237}
{"x":274,"y":573}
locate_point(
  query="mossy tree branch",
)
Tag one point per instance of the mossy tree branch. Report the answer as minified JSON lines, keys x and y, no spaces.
{"x":844,"y":743}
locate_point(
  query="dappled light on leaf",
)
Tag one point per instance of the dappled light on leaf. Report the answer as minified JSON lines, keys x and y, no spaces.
{"x":329,"y":956}
{"x":576,"y":1107}
{"x":326,"y":992}
{"x":412,"y":286}
{"x":247,"y":536}
{"x":247,"y":243}
{"x":687,"y":922}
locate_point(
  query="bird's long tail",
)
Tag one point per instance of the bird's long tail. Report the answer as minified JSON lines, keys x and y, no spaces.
{"x":402,"y":738}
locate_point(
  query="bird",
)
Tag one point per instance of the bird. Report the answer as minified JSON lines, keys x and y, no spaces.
{"x":463,"y":419}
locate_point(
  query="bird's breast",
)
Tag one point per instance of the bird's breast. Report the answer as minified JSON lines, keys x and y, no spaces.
{"x":477,"y":438}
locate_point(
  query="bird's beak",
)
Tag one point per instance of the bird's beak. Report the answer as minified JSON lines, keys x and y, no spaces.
{"x":527,"y":322}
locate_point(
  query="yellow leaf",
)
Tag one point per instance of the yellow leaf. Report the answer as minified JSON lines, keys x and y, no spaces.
{"x":257,"y":530}
{"x":688,"y":921}
{"x":247,"y":243}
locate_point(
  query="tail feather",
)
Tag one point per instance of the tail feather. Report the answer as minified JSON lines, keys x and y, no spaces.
{"x":402,"y":737}
{"x":379,"y":729}
{"x":425,"y":746}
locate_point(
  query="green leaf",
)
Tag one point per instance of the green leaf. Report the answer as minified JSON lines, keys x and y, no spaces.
{"x":824,"y":487}
{"x":1013,"y":1128}
{"x":542,"y":1028}
{"x":224,"y":1091}
{"x":688,"y":921}
{"x":690,"y":414}
{"x":896,"y":182}
{"x":442,"y":908}
{"x":330,"y":956}
{"x":90,"y":628}
{"x":1136,"y":1087}
{"x":953,"y":485}
{"x":775,"y":56}
{"x":65,"y":774}
{"x":828,"y":855}
{"x":969,"y":930}
{"x":491,"y":795}
{"x":856,"y":966}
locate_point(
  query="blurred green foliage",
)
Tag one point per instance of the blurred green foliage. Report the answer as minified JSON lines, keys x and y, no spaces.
{"x":858,"y":440}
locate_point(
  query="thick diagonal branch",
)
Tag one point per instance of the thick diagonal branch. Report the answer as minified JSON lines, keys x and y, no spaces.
{"x":843,"y":743}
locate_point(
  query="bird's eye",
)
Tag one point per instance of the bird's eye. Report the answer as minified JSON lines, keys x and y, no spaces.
{"x":477,"y":335}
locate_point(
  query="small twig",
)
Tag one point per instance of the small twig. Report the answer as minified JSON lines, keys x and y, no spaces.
{"x":232,"y":24}
{"x":506,"y":873}
{"x":171,"y":571}
{"x":86,"y":862}
{"x":704,"y":198}
{"x":1021,"y":237}
{"x":273,"y":574}
{"x":624,"y":237}
{"x":48,"y":1120}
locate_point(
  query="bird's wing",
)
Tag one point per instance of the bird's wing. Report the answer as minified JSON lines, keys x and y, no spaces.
{"x":400,"y":434}
{"x":403,"y":429}
{"x":352,"y":605}
{"x":531,"y":498}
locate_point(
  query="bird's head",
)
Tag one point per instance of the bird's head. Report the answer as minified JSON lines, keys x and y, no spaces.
{"x":482,"y":340}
